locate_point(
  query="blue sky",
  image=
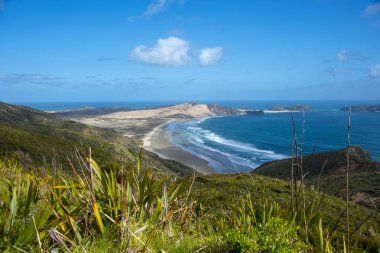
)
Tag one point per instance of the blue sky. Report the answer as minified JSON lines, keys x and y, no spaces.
{"x":118,"y":50}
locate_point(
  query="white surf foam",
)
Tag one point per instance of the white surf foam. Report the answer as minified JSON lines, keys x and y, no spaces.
{"x":201,"y":137}
{"x":197,"y":136}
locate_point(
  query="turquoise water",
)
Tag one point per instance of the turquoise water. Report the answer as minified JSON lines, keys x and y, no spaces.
{"x":241,"y":143}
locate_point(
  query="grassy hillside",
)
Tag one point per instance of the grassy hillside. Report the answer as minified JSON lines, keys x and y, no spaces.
{"x":326,"y":171}
{"x":137,"y":211}
{"x":37,"y":138}
{"x":228,"y":188}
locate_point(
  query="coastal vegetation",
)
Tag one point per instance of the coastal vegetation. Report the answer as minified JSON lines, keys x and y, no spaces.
{"x":114,"y":209}
{"x":37,"y":139}
{"x":326,"y":171}
{"x":65,"y":187}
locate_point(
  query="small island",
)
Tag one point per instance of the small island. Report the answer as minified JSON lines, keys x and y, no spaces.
{"x":361,"y":108}
{"x":295,"y":108}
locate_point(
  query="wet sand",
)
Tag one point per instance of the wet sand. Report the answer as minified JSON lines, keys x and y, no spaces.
{"x":157,"y":141}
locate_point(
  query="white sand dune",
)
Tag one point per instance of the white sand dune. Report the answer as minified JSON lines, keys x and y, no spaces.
{"x":138,"y":123}
{"x":188,"y":109}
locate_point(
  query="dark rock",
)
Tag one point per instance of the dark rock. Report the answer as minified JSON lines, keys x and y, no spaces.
{"x":222,"y":110}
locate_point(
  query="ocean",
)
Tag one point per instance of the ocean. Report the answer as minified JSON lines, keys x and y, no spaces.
{"x":244,"y":142}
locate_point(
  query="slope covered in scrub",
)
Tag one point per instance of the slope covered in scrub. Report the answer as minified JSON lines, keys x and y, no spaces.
{"x":326,"y":171}
{"x":131,"y":210}
{"x":37,"y":138}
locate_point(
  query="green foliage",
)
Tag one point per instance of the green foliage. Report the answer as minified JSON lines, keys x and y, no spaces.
{"x":19,"y":213}
{"x":326,"y":172}
{"x":233,"y":189}
{"x":120,"y":209}
{"x":276,"y":235}
{"x":64,"y":210}
{"x":258,"y":228}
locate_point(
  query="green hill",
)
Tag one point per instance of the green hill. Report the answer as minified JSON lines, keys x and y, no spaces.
{"x":37,"y":138}
{"x":364,"y":176}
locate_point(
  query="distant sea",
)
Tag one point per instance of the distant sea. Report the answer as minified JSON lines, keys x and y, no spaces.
{"x":231,"y":143}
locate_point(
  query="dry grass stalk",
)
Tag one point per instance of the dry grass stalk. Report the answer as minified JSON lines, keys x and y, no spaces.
{"x":347,"y":179}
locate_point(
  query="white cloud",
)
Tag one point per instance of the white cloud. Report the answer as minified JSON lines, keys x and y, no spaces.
{"x":372,"y":9}
{"x":342,"y":56}
{"x":210,"y":56}
{"x":171,"y":51}
{"x":155,"y":6}
{"x":375,"y":71}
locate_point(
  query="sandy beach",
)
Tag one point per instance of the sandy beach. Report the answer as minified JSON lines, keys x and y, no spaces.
{"x":157,"y":141}
{"x":149,"y":125}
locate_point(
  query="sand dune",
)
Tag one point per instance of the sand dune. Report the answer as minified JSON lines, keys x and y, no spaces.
{"x":137,"y":123}
{"x":190,"y":110}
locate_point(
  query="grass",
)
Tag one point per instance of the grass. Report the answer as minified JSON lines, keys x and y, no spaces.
{"x":364,"y":176}
{"x":129,"y":210}
{"x":68,"y":211}
{"x":225,"y":188}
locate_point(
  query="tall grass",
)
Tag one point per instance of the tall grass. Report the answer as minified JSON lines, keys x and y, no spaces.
{"x":130,"y":209}
{"x":61,"y":211}
{"x":308,"y":216}
{"x":347,"y":180}
{"x":117,"y":210}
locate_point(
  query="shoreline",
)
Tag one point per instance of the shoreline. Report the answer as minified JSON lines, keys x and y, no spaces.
{"x":147,"y":137}
{"x":157,"y":141}
{"x":282,"y":111}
